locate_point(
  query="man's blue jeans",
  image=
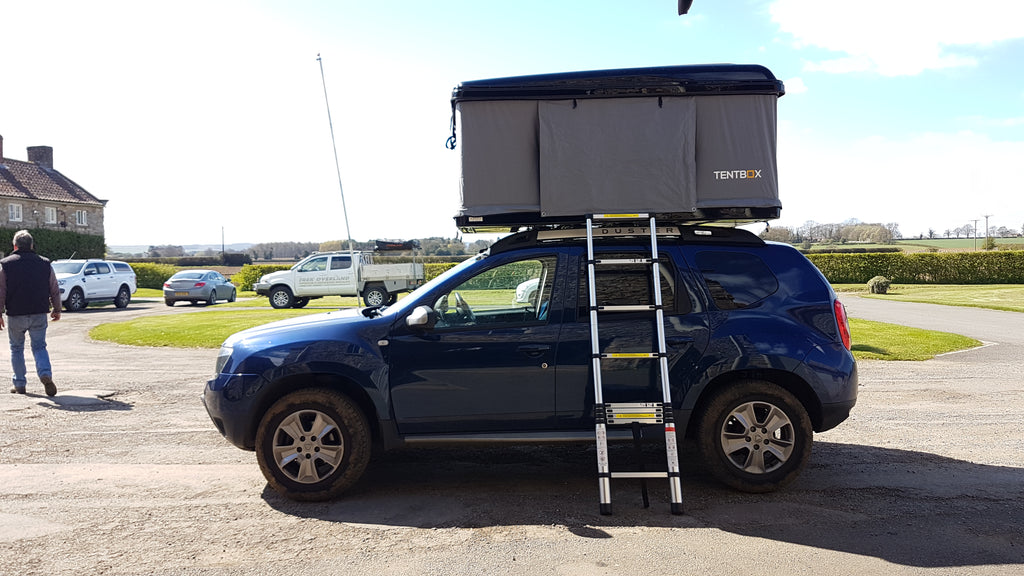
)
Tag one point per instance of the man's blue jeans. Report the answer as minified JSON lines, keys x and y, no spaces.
{"x":35,"y":326}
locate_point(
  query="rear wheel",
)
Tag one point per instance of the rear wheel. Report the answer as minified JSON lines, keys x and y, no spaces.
{"x":281,"y":297}
{"x":124,"y":296}
{"x":376,"y":295}
{"x":212,"y":299}
{"x":755,"y":436}
{"x":169,"y":302}
{"x":313,"y":445}
{"x":300,"y":302}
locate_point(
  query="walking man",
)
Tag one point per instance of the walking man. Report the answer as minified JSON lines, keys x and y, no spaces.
{"x":28,"y":291}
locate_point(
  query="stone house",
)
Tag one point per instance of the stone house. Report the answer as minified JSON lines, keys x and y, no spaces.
{"x":33,"y":196}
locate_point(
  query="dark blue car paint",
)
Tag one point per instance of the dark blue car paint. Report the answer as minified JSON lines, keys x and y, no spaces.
{"x":533,"y":382}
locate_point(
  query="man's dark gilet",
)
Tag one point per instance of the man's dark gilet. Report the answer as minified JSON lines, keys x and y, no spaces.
{"x":28,"y":283}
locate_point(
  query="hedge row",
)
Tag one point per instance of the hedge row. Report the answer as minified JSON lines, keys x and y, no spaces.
{"x":57,"y":244}
{"x":885,"y":249}
{"x":152,"y":275}
{"x":1004,"y":267}
{"x":226,"y":259}
{"x":251,"y":273}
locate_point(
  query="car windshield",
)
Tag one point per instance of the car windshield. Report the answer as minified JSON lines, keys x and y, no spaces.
{"x":67,"y":267}
{"x":412,"y":300}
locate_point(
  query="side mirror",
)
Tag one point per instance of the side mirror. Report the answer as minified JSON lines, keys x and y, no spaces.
{"x":421,"y":317}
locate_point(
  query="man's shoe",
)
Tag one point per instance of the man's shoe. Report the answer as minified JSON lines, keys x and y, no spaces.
{"x":48,"y":385}
{"x":16,"y":390}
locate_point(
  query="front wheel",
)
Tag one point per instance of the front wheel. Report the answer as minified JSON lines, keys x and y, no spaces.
{"x":281,"y":297}
{"x":755,"y":436}
{"x":76,"y":301}
{"x":313,"y":444}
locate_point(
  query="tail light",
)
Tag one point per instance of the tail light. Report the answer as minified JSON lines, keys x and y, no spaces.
{"x":844,"y":324}
{"x":199,"y":284}
{"x":167,"y":284}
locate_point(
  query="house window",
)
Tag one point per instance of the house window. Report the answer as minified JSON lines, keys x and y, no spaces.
{"x":80,"y":218}
{"x":14,"y":212}
{"x":51,"y":215}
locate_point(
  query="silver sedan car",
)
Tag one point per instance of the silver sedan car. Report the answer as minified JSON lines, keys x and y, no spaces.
{"x":198,"y":286}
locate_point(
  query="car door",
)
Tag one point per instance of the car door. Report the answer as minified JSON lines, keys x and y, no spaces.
{"x":488,"y":364}
{"x":312,"y":275}
{"x":98,"y":281}
{"x":342,"y":275}
{"x":628,"y":379}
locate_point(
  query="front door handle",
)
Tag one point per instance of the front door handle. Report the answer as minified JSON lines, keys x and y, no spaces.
{"x":679,"y":341}
{"x":533,"y":350}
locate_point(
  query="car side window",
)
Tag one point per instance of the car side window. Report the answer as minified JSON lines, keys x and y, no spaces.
{"x":315,"y":265}
{"x":341,"y":263}
{"x":511,"y":294}
{"x":736,"y":280}
{"x":630,"y":284}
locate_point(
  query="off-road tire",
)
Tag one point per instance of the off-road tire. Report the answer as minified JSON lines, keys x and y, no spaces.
{"x":281,"y":297}
{"x":312,"y":468}
{"x":76,"y":300}
{"x":765,"y":453}
{"x":124,"y":296}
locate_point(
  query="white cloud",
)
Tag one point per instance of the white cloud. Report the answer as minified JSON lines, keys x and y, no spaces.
{"x":896,"y":38}
{"x":795,"y":85}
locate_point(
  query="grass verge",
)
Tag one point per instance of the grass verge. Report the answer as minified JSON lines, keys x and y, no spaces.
{"x":1009,"y":297}
{"x":206,"y":329}
{"x":881,"y":341}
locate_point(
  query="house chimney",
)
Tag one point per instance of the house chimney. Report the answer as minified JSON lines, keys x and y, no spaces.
{"x":42,"y":155}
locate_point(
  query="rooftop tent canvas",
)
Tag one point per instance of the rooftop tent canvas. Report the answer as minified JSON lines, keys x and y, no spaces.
{"x":682,"y":140}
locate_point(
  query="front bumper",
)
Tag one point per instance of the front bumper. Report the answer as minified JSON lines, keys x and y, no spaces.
{"x":229,"y":400}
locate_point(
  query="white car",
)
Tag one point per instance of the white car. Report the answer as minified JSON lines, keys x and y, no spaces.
{"x":83,"y":282}
{"x":527,"y":291}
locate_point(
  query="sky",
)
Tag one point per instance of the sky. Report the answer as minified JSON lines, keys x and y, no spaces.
{"x":203,"y":121}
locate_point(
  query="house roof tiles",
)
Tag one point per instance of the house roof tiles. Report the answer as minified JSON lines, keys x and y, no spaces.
{"x":32,"y":181}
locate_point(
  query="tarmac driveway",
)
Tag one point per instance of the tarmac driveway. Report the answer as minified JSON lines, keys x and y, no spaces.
{"x":927,"y":477}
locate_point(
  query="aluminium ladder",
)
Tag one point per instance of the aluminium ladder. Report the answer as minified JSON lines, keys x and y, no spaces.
{"x":634,"y":414}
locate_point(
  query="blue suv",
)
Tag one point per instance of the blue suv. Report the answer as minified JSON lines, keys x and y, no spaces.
{"x":758,"y":349}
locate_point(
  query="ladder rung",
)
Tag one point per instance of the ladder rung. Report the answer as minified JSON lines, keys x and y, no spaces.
{"x":639,"y":412}
{"x":639,"y":474}
{"x":614,"y":261}
{"x":621,"y":355}
{"x":628,"y":308}
{"x":619,"y":216}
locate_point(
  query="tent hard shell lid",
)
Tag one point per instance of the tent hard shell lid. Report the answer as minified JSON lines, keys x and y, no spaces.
{"x":694,"y":143}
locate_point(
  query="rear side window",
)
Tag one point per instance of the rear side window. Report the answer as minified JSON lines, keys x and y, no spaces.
{"x":122,"y":267}
{"x":630,"y":284}
{"x":735,"y":279}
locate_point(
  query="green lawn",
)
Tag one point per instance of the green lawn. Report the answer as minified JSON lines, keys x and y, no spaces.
{"x":881,"y":341}
{"x":1008,"y":297}
{"x":201,"y":329}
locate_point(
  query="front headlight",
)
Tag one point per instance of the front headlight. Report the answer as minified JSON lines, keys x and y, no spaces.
{"x":61,"y":282}
{"x":222,"y":357}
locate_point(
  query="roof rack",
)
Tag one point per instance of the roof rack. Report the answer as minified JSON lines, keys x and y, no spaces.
{"x":628,"y":230}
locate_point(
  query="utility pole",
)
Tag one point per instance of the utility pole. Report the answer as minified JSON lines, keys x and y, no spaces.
{"x":986,"y":216}
{"x":975,"y":235}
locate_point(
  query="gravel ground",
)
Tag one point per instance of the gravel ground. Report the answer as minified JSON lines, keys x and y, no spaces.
{"x":926,"y":477}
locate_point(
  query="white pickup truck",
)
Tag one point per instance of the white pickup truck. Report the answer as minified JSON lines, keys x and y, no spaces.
{"x":332,"y":274}
{"x":83,"y":282}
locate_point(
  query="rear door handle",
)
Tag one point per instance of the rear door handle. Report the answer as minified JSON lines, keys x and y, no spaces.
{"x":679,"y":341}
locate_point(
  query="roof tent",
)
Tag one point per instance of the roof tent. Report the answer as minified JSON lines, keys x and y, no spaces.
{"x":696,"y":143}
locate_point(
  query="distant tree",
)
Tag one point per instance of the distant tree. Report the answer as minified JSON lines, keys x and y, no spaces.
{"x":1003,"y":232}
{"x":931,"y":233}
{"x":778,"y":234}
{"x":947,"y":232}
{"x":165,"y":251}
{"x":990,"y":243}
